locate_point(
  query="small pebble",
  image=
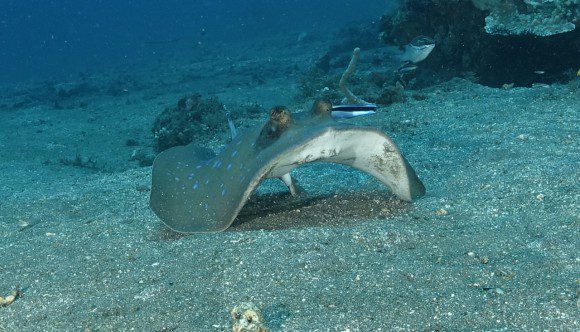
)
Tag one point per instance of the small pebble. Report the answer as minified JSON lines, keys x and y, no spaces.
{"x":540,"y":197}
{"x":540,"y":85}
{"x":8,"y":300}
{"x":507,"y":86}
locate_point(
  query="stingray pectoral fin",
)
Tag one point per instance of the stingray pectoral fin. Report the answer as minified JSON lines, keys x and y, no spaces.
{"x":373,"y":152}
{"x":194,"y":196}
{"x":180,"y":195}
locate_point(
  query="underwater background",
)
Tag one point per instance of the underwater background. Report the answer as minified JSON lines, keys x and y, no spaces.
{"x":481,"y":97}
{"x":43,"y":38}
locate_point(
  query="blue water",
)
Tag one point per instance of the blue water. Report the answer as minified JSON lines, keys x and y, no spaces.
{"x":43,"y":38}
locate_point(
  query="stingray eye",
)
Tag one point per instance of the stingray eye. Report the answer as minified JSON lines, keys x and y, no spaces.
{"x":280,"y":116}
{"x":321,"y":107}
{"x":280,"y":120}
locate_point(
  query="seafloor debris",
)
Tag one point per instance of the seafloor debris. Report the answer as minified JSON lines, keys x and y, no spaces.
{"x":247,"y":318}
{"x":82,"y":162}
{"x":193,"y":119}
{"x":392,"y":94}
{"x":8,"y":300}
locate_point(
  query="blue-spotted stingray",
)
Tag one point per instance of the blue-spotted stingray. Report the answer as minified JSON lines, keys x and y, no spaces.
{"x":191,"y":194}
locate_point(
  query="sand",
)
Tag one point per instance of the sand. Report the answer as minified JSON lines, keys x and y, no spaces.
{"x":492,"y":246}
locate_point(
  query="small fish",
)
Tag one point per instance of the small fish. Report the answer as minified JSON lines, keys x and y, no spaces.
{"x":539,"y":72}
{"x":365,"y":107}
{"x":418,"y":49}
{"x":406,"y":68}
{"x":351,"y":111}
{"x":349,"y":114}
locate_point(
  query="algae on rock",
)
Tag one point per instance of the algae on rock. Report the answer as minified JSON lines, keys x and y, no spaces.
{"x":193,"y":118}
{"x":537,"y":17}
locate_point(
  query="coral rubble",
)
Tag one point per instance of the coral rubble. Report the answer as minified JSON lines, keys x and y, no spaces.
{"x":466,"y":48}
{"x":537,"y":17}
{"x":247,"y":318}
{"x":8,"y":300}
{"x":192,"y":118}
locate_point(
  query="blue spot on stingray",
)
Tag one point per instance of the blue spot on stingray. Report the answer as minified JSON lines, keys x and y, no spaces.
{"x":221,"y":185}
{"x":217,"y":164}
{"x":195,"y":185}
{"x":176,"y":178}
{"x":234,"y":153}
{"x":199,"y":166}
{"x":190,"y":176}
{"x":223,"y":193}
{"x":242,"y":178}
{"x":229,"y":167}
{"x":205,"y":206}
{"x":206,"y":181}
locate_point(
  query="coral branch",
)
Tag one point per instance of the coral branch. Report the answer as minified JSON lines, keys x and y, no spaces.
{"x":349,"y":96}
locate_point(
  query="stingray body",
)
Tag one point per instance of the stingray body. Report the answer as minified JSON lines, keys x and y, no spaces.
{"x":193,"y":194}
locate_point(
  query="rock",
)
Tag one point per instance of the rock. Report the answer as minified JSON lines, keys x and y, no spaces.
{"x":247,"y":318}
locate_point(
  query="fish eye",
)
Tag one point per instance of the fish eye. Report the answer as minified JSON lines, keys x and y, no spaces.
{"x":422,"y":41}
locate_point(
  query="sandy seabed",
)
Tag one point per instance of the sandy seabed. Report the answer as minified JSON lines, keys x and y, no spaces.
{"x":492,"y":246}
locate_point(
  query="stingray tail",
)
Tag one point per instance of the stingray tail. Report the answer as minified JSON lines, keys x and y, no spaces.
{"x":231,"y":124}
